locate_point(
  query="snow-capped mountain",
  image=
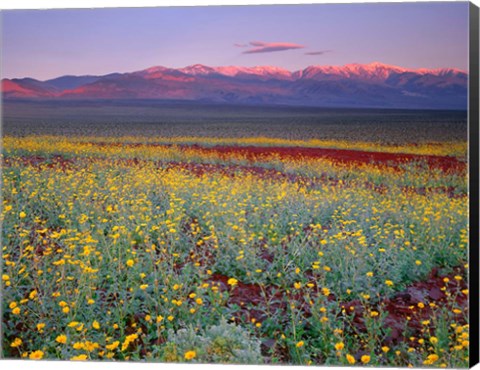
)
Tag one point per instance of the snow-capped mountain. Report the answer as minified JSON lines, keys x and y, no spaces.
{"x":351,"y":85}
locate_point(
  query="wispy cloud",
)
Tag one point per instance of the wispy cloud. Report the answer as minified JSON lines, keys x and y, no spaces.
{"x":321,"y":52}
{"x":240,"y":45}
{"x":268,"y":47}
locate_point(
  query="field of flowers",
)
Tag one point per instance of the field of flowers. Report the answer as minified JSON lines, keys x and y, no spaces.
{"x":235,"y":251}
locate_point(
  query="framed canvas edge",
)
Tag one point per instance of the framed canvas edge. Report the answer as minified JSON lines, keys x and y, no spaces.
{"x":473,"y":120}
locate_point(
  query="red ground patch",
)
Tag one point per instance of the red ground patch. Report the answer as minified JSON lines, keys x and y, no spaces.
{"x":254,"y":153}
{"x":338,"y":155}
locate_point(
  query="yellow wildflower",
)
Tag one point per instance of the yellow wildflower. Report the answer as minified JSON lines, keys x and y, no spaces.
{"x":350,"y":359}
{"x":78,"y":345}
{"x":112,"y":346}
{"x":17,"y":342}
{"x":62,"y":338}
{"x":431,"y":359}
{"x":339,"y":346}
{"x":82,"y":357}
{"x":365,"y":359}
{"x":36,"y":355}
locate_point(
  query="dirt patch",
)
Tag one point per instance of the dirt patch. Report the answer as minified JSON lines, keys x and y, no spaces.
{"x":407,"y":312}
{"x":253,"y":300}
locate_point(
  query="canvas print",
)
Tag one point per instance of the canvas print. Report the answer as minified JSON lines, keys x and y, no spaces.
{"x":281,"y":184}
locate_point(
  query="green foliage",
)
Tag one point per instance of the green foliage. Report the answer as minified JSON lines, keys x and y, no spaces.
{"x":222,"y":343}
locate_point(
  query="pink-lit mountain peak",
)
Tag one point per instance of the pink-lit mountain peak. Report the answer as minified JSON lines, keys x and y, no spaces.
{"x":232,"y":71}
{"x":441,"y":71}
{"x":152,"y":72}
{"x":374,"y":71}
{"x":197,"y":69}
{"x":382,"y":68}
{"x":154,"y":69}
{"x":259,"y":71}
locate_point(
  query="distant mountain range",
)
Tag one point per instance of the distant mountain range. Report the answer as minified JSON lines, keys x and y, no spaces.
{"x":353,"y":85}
